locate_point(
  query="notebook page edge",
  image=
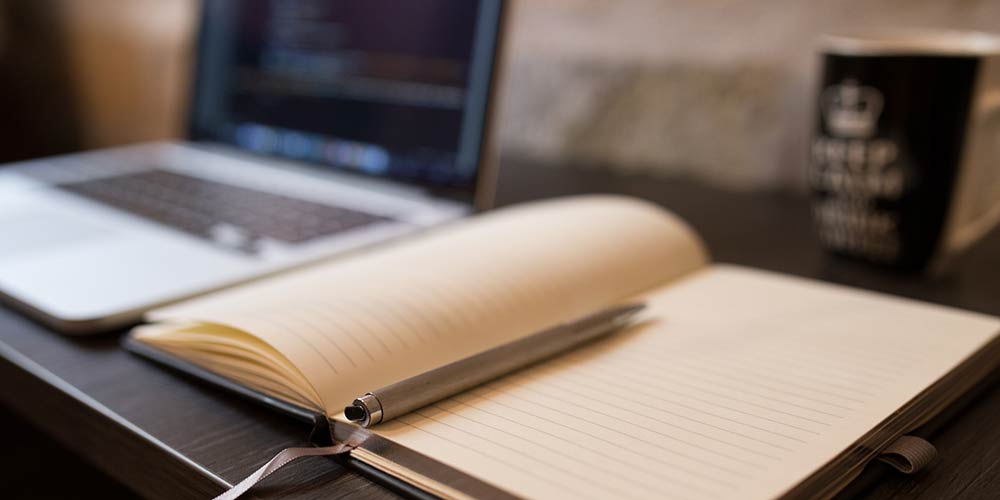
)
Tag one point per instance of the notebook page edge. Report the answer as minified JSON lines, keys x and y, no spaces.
{"x":245,"y":307}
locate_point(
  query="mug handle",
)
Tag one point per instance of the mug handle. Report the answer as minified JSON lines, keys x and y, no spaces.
{"x":975,"y":209}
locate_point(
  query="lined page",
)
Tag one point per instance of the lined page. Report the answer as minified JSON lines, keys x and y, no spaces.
{"x":357,"y":324}
{"x":740,"y":385}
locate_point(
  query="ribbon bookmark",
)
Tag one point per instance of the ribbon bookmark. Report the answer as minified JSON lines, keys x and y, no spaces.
{"x":280,"y":460}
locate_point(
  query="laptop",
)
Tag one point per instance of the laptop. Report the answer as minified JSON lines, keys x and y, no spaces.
{"x":315,"y":128}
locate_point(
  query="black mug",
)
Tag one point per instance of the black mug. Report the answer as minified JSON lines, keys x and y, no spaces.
{"x":905,"y":161}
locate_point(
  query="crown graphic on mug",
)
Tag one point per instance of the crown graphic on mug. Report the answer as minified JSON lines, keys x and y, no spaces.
{"x":851,"y":110}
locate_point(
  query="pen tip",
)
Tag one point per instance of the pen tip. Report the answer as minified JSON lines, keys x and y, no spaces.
{"x":354,"y":413}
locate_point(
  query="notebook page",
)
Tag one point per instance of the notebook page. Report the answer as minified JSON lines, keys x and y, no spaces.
{"x":357,"y":324}
{"x":741,"y":385}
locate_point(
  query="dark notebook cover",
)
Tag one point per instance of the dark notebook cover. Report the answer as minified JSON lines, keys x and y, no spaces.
{"x":323,"y":430}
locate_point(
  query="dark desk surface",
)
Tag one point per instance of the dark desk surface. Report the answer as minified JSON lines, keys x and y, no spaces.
{"x":166,"y":436}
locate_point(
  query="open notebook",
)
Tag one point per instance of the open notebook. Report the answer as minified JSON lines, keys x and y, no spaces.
{"x":737,"y":384}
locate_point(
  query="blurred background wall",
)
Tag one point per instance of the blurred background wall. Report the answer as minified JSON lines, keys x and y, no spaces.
{"x":129,"y":60}
{"x":718,"y":90}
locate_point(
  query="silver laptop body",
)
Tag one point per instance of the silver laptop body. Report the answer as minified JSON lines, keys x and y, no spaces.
{"x":305,"y":144}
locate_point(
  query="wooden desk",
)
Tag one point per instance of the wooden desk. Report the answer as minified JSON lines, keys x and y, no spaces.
{"x":170,"y":437}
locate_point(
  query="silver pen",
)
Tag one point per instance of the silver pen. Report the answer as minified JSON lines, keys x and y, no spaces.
{"x":435,"y":385}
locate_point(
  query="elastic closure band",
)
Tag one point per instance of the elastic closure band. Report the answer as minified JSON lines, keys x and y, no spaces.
{"x":909,"y":454}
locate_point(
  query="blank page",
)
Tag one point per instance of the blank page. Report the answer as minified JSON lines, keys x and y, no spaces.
{"x":739,"y":385}
{"x":357,"y":324}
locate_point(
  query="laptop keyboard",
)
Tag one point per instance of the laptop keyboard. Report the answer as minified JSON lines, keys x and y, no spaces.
{"x":233,"y":216}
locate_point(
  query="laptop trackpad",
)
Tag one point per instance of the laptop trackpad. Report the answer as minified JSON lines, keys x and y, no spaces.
{"x":33,"y":230}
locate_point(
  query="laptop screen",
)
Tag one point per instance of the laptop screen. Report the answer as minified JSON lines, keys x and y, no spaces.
{"x":381,"y":87}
